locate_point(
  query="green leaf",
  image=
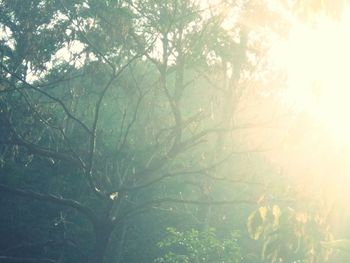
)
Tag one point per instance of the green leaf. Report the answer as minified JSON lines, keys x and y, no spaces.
{"x":255,"y":225}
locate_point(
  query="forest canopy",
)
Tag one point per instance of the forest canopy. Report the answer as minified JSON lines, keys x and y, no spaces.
{"x":199,"y":131}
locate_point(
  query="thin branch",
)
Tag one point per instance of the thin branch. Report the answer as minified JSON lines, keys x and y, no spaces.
{"x":35,"y":149}
{"x":41,"y":151}
{"x":51,"y":199}
{"x":158,"y":202}
{"x":87,"y":40}
{"x":235,"y":181}
{"x":203,"y":171}
{"x":6,"y":259}
{"x":60,"y":102}
{"x":93,"y":137}
{"x":150,"y":183}
{"x":44,"y":121}
{"x":131,"y":123}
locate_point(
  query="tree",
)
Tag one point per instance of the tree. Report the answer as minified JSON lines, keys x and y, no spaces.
{"x":115,"y":108}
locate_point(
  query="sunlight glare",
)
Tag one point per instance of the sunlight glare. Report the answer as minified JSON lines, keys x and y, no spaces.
{"x":316,"y":59}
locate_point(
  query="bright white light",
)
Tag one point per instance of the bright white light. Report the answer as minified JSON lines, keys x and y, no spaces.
{"x":316,"y":58}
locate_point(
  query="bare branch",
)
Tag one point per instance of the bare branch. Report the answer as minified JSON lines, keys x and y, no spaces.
{"x":158,"y":202}
{"x":198,"y":202}
{"x":41,"y":151}
{"x":51,"y":199}
{"x":131,"y":123}
{"x":236,"y":181}
{"x":93,"y":137}
{"x":60,"y":102}
{"x":150,"y":183}
{"x":6,"y":259}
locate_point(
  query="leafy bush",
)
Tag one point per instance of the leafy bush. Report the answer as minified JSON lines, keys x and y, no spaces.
{"x":288,"y":235}
{"x":196,"y":246}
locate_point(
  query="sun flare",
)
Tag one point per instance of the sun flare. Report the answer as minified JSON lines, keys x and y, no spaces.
{"x":316,"y":59}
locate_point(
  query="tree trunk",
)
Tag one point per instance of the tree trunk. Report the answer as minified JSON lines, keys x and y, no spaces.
{"x":103,"y":233}
{"x":119,"y":256}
